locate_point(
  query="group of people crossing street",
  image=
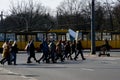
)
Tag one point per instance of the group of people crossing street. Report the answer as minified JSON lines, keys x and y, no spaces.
{"x":62,"y":50}
{"x":51,"y":51}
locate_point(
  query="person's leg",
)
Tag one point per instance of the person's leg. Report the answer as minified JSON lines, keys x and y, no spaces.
{"x":53,"y":56}
{"x":29,"y":59}
{"x":61,"y":57}
{"x":34,"y":57}
{"x":46,"y":56}
{"x":3,"y":61}
{"x":82,"y":56}
{"x":15,"y":58}
{"x":70,"y":56}
{"x":9,"y":60}
{"x":57,"y":57}
{"x":76,"y":56}
{"x":42,"y":58}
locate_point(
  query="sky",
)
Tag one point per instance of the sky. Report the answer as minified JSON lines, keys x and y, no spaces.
{"x":51,"y":3}
{"x":5,"y":4}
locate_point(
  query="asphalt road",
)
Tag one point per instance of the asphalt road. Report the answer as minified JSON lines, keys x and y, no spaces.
{"x":93,"y":68}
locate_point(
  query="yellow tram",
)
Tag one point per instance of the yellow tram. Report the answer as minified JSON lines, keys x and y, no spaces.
{"x":23,"y":37}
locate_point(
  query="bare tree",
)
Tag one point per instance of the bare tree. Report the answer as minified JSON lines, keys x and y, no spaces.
{"x":116,"y":13}
{"x":29,"y":15}
{"x":76,"y":14}
{"x":69,"y":13}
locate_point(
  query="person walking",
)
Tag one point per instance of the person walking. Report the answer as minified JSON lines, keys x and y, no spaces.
{"x":67,"y":51}
{"x":14,"y":52}
{"x":45,"y":50}
{"x":5,"y":53}
{"x":79,"y":50}
{"x":59,"y":51}
{"x":31,"y":52}
{"x":73,"y":48}
{"x":52,"y":49}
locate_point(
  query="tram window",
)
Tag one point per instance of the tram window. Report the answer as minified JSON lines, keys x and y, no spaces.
{"x":40,"y":36}
{"x":33,"y":37}
{"x":106,"y":36}
{"x":51,"y":36}
{"x":118,"y":37}
{"x":10,"y":36}
{"x":61,"y":37}
{"x":98,"y":36}
{"x":68,"y":38}
{"x":2,"y":36}
{"x":84,"y":37}
{"x":20,"y":38}
{"x":80,"y":35}
{"x":115,"y":37}
{"x":23,"y":38}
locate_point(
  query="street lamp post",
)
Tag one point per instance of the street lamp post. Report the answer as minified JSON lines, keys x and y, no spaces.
{"x":93,"y":28}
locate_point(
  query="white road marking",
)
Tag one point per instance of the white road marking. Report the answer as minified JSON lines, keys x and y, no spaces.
{"x":20,"y":75}
{"x":87,"y":69}
{"x":110,"y":58}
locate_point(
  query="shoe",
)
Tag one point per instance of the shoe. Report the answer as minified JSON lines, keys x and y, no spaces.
{"x":71,"y":58}
{"x":54,"y":62}
{"x":47,"y":61}
{"x":1,"y":62}
{"x":29,"y":61}
{"x":9,"y":63}
{"x":15,"y":64}
{"x":75,"y":59}
{"x":38,"y":61}
{"x":83,"y":59}
{"x":62,"y":60}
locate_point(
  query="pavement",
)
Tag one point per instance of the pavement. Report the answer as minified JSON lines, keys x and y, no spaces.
{"x":7,"y":74}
